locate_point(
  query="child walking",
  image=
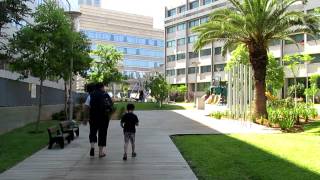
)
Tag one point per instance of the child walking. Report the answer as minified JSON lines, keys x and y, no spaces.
{"x":129,"y":121}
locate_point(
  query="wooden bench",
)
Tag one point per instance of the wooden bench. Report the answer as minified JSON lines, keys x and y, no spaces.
{"x":69,"y":127}
{"x":55,"y":136}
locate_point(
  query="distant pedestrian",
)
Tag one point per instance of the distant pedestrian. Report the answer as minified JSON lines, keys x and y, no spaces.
{"x":100,"y":110}
{"x":141,"y":96}
{"x":129,"y":121}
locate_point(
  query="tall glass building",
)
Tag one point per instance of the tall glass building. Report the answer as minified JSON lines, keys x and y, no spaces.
{"x":133,"y":35}
{"x":96,"y":3}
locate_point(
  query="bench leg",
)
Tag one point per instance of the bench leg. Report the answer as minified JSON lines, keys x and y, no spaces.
{"x":61,"y":143}
{"x":77,"y":133}
{"x":50,"y":144}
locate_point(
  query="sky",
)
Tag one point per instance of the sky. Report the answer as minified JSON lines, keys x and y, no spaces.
{"x":153,"y":8}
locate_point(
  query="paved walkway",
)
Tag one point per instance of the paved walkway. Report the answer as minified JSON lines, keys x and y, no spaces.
{"x":158,"y":158}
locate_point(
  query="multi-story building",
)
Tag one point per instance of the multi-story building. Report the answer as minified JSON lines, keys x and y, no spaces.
{"x":133,"y":35}
{"x":183,"y":65}
{"x":96,"y":3}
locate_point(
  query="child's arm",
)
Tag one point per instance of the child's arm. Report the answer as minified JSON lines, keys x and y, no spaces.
{"x":122,"y":122}
{"x":137,"y":121}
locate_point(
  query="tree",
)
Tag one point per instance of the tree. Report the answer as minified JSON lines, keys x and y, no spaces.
{"x":293,"y":62}
{"x":314,"y":89}
{"x":159,"y":88}
{"x":275,"y":75}
{"x":34,"y":46}
{"x":275,"y":72}
{"x":11,"y":11}
{"x":255,"y":23}
{"x":306,"y":58}
{"x":71,"y":45}
{"x":105,"y":69}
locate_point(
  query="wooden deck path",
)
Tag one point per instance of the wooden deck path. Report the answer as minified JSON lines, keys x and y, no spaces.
{"x":158,"y":158}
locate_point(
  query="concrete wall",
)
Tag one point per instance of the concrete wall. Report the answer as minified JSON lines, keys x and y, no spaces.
{"x":14,"y":117}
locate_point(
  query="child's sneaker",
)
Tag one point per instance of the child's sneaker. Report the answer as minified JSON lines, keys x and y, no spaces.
{"x":124,"y":157}
{"x":134,"y":154}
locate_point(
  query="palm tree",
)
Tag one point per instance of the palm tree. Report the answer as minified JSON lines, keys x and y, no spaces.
{"x":255,"y":23}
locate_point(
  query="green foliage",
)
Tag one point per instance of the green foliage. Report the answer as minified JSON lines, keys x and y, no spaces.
{"x":13,"y":11}
{"x":247,"y":156}
{"x":216,"y":115}
{"x":275,"y":72}
{"x":292,"y":62}
{"x":105,"y":69}
{"x":255,"y":24}
{"x":314,"y":78}
{"x":40,"y":49}
{"x":275,"y":75}
{"x":159,"y":88}
{"x":239,"y":55}
{"x":18,"y":144}
{"x":177,"y":92}
{"x":298,"y":88}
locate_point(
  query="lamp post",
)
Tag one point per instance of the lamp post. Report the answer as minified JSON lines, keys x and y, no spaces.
{"x":73,"y":15}
{"x":195,"y":63}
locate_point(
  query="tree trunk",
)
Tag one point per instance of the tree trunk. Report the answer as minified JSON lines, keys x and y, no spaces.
{"x":39,"y":106}
{"x":65,"y":99}
{"x":295,"y":91}
{"x":259,"y":60}
{"x":160,"y":104}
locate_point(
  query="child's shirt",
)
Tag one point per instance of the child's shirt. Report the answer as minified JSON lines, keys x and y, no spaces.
{"x":129,"y":121}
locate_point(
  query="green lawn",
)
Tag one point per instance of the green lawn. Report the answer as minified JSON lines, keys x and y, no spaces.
{"x":19,"y":144}
{"x":254,"y":156}
{"x":155,"y":106}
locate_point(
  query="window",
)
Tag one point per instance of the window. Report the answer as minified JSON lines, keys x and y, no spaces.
{"x":118,"y":38}
{"x":298,"y":38}
{"x":141,"y":41}
{"x":217,"y":50}
{"x":274,"y":42}
{"x":192,"y":39}
{"x":205,"y":69}
{"x":172,"y":12}
{"x":194,"y":23}
{"x":181,"y":26}
{"x":181,"y":42}
{"x":205,"y":2}
{"x":219,"y":67}
{"x":192,"y":70}
{"x":182,"y":9}
{"x":137,"y":51}
{"x":171,"y":29}
{"x":171,"y":72}
{"x":160,"y":43}
{"x":171,"y":43}
{"x":181,"y":71}
{"x":205,"y":52}
{"x":131,"y":51}
{"x":132,"y":39}
{"x":193,"y":55}
{"x":194,"y":4}
{"x":316,"y":58}
{"x":203,"y":86}
{"x":310,"y":38}
{"x":171,"y":58}
{"x":204,"y":20}
{"x":181,"y":56}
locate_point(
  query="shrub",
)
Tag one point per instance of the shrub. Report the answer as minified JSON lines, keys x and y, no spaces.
{"x":300,"y":90}
{"x":287,"y":118}
{"x":216,"y":115}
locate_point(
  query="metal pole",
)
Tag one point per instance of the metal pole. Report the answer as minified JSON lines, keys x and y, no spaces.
{"x":195,"y":87}
{"x":71,"y":70}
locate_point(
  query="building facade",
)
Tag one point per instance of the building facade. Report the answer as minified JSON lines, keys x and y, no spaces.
{"x":206,"y":68}
{"x":131,"y":34}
